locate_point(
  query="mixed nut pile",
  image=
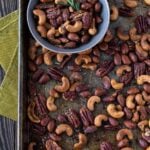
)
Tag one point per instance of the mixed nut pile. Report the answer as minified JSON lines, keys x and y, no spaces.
{"x":106,"y":88}
{"x":68,"y":23}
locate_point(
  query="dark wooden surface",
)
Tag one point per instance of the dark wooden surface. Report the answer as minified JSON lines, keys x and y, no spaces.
{"x":8,"y":127}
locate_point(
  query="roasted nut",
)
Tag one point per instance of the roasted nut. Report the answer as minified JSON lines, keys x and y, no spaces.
{"x":117,"y":59}
{"x":133,"y":90}
{"x":50,"y":104}
{"x":32,"y":66}
{"x":120,"y":70}
{"x":122,"y":35}
{"x":124,"y":142}
{"x":148,"y":148}
{"x":83,"y":59}
{"x":82,"y":142}
{"x":32,"y":52}
{"x":92,"y":31}
{"x":145,"y":42}
{"x":31,"y":146}
{"x":129,"y":124}
{"x":130,"y":101}
{"x":42,"y":30}
{"x":44,"y":79}
{"x":114,"y":13}
{"x":108,"y":37}
{"x":96,"y":59}
{"x":90,"y":129}
{"x":60,"y":1}
{"x":128,"y":113}
{"x":146,"y":87}
{"x":64,"y":128}
{"x":99,"y":91}
{"x":90,"y":66}
{"x":143,"y":79}
{"x":139,"y":99}
{"x":113,"y":122}
{"x":121,"y":100}
{"x":142,"y":111}
{"x":135,"y":117}
{"x":51,"y":126}
{"x":126,"y":60}
{"x":86,"y":6}
{"x":60,"y":57}
{"x":114,"y":112}
{"x":39,"y":59}
{"x":65,"y":85}
{"x":133,"y":57}
{"x":140,"y":50}
{"x":74,"y":86}
{"x":76,"y":76}
{"x":73,"y":37}
{"x":146,"y":96}
{"x":85,"y":38}
{"x":116,"y":85}
{"x":48,"y":57}
{"x":147,"y":3}
{"x":131,"y":3}
{"x":87,"y":52}
{"x":50,"y":144}
{"x":143,"y":124}
{"x":124,"y":132}
{"x":106,"y":82}
{"x":133,"y":34}
{"x":91,"y":102}
{"x":106,"y":146}
{"x":142,"y":143}
{"x":31,"y":114}
{"x":41,"y":15}
{"x":99,"y":118}
{"x":74,"y":28}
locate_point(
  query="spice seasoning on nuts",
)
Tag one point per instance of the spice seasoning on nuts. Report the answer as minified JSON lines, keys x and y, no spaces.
{"x":75,"y":97}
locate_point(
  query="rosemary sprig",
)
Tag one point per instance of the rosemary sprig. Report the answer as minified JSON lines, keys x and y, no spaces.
{"x":74,"y":4}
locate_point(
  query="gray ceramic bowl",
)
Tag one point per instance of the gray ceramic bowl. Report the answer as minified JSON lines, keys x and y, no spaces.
{"x":94,"y":40}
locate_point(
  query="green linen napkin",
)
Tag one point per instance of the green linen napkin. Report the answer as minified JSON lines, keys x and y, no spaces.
{"x":9,"y":62}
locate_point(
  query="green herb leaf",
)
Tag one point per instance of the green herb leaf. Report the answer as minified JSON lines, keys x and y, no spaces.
{"x":74,"y":4}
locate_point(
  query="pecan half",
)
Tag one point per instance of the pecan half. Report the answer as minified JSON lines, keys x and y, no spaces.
{"x":52,"y":145}
{"x":70,"y":95}
{"x":126,"y":78}
{"x":126,"y":12}
{"x":139,"y":69}
{"x":105,"y":146}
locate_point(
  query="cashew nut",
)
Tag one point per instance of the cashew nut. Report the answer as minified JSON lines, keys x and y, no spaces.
{"x":99,"y":118}
{"x":147,"y":2}
{"x":42,"y":30}
{"x":91,"y":101}
{"x":64,"y":128}
{"x":142,"y":124}
{"x":41,"y":15}
{"x":140,"y":50}
{"x":93,"y":30}
{"x":124,"y":132}
{"x":122,"y":35}
{"x":143,"y":79}
{"x":131,"y":3}
{"x":31,"y":114}
{"x":145,"y":42}
{"x":83,"y":59}
{"x":60,"y":57}
{"x":139,"y":100}
{"x":129,"y":101}
{"x":62,"y":29}
{"x":114,"y":112}
{"x":108,"y":37}
{"x":116,"y":85}
{"x":87,"y":52}
{"x":82,"y":142}
{"x":65,"y":85}
{"x":61,"y":1}
{"x":47,"y":57}
{"x":133,"y":34}
{"x":90,"y":66}
{"x":114,"y":13}
{"x":50,"y":104}
{"x":52,"y":32}
{"x":31,"y":146}
{"x":120,"y":70}
{"x":148,"y":148}
{"x":74,"y":28}
{"x":146,"y":96}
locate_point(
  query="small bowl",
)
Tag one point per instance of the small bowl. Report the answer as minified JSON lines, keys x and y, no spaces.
{"x":102,"y":29}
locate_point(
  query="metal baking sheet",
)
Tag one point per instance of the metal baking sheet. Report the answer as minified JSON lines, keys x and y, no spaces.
{"x":89,"y":77}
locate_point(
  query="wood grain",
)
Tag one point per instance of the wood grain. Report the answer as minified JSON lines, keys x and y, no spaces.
{"x":8,"y":127}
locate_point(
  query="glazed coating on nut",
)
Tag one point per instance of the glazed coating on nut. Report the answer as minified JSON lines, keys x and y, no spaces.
{"x":114,"y":13}
{"x":65,"y":85}
{"x":82,"y":142}
{"x":50,"y":104}
{"x":143,"y":79}
{"x":64,"y":128}
{"x":130,"y":101}
{"x":116,"y":85}
{"x":124,"y":132}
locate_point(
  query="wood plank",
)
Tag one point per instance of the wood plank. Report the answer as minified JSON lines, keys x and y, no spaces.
{"x":8,"y":127}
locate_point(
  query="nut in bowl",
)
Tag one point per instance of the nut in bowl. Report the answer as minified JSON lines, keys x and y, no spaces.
{"x":68,"y":26}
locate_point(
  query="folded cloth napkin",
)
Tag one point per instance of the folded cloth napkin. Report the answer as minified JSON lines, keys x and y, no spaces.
{"x":9,"y":62}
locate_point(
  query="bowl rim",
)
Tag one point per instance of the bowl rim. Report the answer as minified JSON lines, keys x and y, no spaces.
{"x":53,"y":48}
